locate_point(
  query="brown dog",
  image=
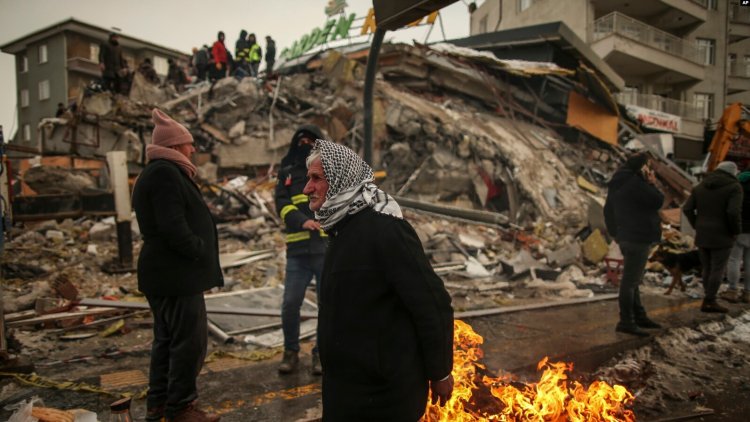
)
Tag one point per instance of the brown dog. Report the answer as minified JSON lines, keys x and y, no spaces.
{"x":677,"y":264}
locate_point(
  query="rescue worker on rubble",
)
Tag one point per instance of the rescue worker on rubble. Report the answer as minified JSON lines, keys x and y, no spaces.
{"x":241,"y":51}
{"x":219,"y":57}
{"x":179,"y":260}
{"x":270,"y":55}
{"x":385,"y":321}
{"x":631,"y":213}
{"x":112,"y":64}
{"x":254,"y":55}
{"x":305,"y":241}
{"x":147,"y":70}
{"x":714,"y":209}
{"x":199,"y":62}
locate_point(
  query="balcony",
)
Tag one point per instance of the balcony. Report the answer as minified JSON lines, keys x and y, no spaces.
{"x":676,"y":16}
{"x":659,"y":103}
{"x":637,"y":50}
{"x":738,"y":79}
{"x":739,"y":23}
{"x":85,"y":66}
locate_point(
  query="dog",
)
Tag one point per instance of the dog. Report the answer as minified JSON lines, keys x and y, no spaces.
{"x":677,"y":264}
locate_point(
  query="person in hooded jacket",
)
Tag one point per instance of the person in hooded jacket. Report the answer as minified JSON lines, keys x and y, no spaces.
{"x":305,"y":241}
{"x":631,"y":214}
{"x":240,"y":52}
{"x":714,"y":209}
{"x":254,"y":55}
{"x":740,"y":255}
{"x":112,"y":64}
{"x":220,"y":59}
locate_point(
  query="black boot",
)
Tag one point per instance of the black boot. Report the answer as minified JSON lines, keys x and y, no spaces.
{"x":630,"y":328}
{"x":289,"y":363}
{"x":713,"y":307}
{"x":646,"y":322}
{"x":317,"y":368}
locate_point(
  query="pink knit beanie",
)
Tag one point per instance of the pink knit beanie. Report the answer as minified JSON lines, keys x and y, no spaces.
{"x":167,"y":132}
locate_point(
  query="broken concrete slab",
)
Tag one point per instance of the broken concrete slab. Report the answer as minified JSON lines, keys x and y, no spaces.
{"x":237,"y":130}
{"x":565,"y":255}
{"x":595,"y":247}
{"x":55,"y":180}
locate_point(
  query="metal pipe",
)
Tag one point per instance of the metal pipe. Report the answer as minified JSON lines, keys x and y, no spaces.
{"x":372,"y":63}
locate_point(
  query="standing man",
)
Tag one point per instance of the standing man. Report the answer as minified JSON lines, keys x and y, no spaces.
{"x":305,"y":244}
{"x":385,"y":323}
{"x":740,"y":255}
{"x":200,"y":61}
{"x":632,"y":217}
{"x":178,"y":262}
{"x":254,"y":55}
{"x":270,"y":55}
{"x":714,"y":209}
{"x":241,"y":51}
{"x":220,"y":59}
{"x":112,"y":63}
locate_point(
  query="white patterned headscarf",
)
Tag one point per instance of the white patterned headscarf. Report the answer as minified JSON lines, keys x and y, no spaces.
{"x":350,"y":186}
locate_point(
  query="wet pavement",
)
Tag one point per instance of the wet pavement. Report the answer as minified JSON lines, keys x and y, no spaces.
{"x":243,"y":390}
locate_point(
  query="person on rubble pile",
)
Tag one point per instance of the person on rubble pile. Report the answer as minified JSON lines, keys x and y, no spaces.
{"x":146,"y":68}
{"x":385,"y":321}
{"x":199,"y":62}
{"x":270,"y":55}
{"x":179,"y":260}
{"x":714,"y":209}
{"x":220,"y":61}
{"x":305,"y":244}
{"x":254,"y":55}
{"x":240,"y":52}
{"x":112,"y":64}
{"x":176,"y":76}
{"x":631,"y":213}
{"x":740,"y":255}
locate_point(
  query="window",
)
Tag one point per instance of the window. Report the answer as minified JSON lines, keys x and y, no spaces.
{"x":43,"y":53}
{"x":524,"y":4}
{"x":707,"y":48}
{"x":745,"y":71}
{"x":705,"y":104}
{"x":712,"y":4}
{"x":27,"y":133}
{"x":44,"y":90}
{"x":732,"y":68}
{"x":161,"y":66}
{"x":483,"y":25}
{"x":24,"y":63}
{"x":94,"y":52}
{"x":24,"y":98}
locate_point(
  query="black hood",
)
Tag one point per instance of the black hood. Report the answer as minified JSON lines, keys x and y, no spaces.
{"x":296,"y":154}
{"x":718,"y":179}
{"x":243,"y":34}
{"x":621,"y":176}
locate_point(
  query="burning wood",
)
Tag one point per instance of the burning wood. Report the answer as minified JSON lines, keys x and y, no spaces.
{"x":480,"y":397}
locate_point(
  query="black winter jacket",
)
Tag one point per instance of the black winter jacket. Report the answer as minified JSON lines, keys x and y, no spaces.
{"x":385,"y":324}
{"x":714,"y":209}
{"x":292,"y":205}
{"x":180,"y":254}
{"x":631,"y":211}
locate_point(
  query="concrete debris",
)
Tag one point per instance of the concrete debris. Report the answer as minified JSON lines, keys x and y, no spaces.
{"x":55,"y":180}
{"x":595,"y":247}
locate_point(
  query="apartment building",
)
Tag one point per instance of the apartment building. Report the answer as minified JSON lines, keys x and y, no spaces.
{"x":54,"y":63}
{"x":681,"y":59}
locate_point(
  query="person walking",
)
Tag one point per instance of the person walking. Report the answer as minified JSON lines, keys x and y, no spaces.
{"x":305,"y":244}
{"x":714,"y":209}
{"x":385,"y":321}
{"x":631,"y":213}
{"x":179,"y":260}
{"x":740,"y":255}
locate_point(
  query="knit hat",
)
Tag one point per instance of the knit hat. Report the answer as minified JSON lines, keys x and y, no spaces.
{"x":728,"y":166}
{"x":167,"y":132}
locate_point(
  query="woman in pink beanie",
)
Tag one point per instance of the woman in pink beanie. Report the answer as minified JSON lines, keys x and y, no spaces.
{"x":178,"y":262}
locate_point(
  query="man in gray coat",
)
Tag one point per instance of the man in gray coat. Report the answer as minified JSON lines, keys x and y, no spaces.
{"x":714,"y":209}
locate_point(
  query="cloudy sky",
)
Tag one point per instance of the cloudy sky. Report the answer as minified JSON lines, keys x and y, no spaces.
{"x":182,"y":24}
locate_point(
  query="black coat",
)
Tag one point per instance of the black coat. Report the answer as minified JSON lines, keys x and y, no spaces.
{"x":745,"y":205}
{"x":631,"y":211}
{"x":180,"y":254}
{"x":385,"y":324}
{"x":714,"y":209}
{"x":110,"y":55}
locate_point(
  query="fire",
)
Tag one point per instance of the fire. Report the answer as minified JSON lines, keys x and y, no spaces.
{"x":480,"y":397}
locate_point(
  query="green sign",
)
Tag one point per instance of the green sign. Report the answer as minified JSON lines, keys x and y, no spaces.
{"x":332,"y":31}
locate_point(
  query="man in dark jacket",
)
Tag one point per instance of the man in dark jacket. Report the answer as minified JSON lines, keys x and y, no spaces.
{"x":240,"y":52}
{"x":305,"y":244}
{"x":178,"y":262}
{"x":220,"y":59}
{"x":385,"y":322}
{"x":270,"y":54}
{"x":714,"y":209}
{"x":199,"y":61}
{"x":112,"y":64}
{"x":632,"y":217}
{"x":740,"y":255}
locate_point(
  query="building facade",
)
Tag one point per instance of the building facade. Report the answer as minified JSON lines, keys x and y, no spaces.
{"x":55,"y":63}
{"x":684,"y":58}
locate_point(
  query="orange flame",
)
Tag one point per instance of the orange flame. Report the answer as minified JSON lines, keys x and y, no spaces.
{"x":553,"y":398}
